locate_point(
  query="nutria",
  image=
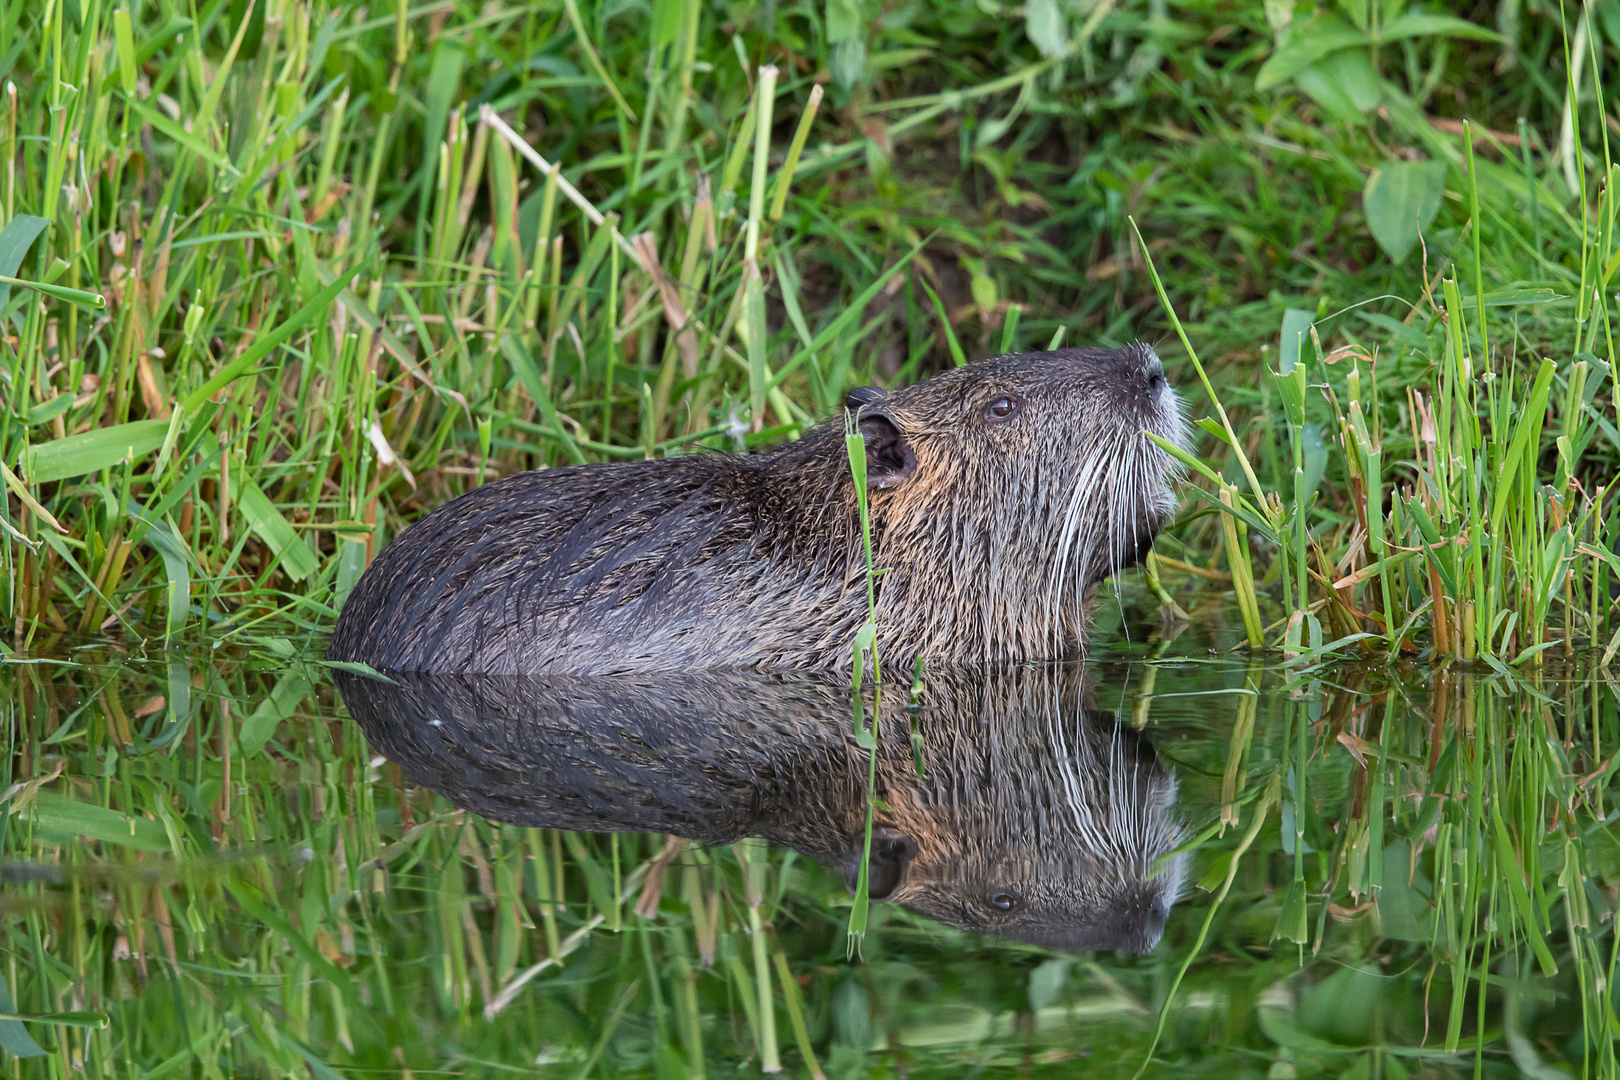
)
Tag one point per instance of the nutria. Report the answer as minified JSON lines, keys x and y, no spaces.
{"x":1001,"y":493}
{"x":1034,"y":818}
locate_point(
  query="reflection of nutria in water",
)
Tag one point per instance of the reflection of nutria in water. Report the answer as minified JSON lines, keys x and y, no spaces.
{"x":1001,"y":493}
{"x":1035,"y":818}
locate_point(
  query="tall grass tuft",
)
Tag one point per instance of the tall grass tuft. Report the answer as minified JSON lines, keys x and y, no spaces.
{"x":1470,"y":454}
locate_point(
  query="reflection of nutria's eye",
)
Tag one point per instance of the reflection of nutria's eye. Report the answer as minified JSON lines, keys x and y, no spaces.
{"x":1003,"y":408}
{"x":1005,"y":901}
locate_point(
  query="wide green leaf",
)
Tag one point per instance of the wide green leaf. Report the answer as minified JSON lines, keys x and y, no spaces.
{"x":1045,"y":26}
{"x":64,"y":816}
{"x":177,"y":568}
{"x":283,"y":701}
{"x":1307,"y":43}
{"x":1515,"y":297}
{"x":96,"y":1021}
{"x":1344,"y":83}
{"x":267,"y":523}
{"x":1400,"y":201}
{"x":844,"y":20}
{"x":61,"y":292}
{"x":444,"y":79}
{"x":14,"y":1038}
{"x":666,"y":21}
{"x":93,"y":450}
{"x":46,"y":411}
{"x":1527,"y":429}
{"x":124,"y":38}
{"x":254,"y":16}
{"x":15,"y":240}
{"x":1292,"y":922}
{"x":1296,"y":324}
{"x":1411,"y":26}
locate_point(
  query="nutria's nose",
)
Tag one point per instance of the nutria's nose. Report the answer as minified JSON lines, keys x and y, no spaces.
{"x":1154,"y":373}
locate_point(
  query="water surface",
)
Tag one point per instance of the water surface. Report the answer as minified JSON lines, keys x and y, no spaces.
{"x":211,"y":869}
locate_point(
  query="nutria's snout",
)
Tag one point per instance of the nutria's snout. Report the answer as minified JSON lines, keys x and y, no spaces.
{"x":999,"y":494}
{"x":1156,"y":382}
{"x":1139,"y":376}
{"x":1159,"y":399}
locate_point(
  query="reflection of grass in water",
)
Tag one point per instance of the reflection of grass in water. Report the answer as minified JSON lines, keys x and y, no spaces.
{"x":321,"y":915}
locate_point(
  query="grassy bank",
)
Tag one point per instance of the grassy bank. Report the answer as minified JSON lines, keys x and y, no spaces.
{"x":290,"y":274}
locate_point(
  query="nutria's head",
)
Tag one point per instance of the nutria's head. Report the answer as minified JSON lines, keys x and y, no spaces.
{"x":1004,"y":490}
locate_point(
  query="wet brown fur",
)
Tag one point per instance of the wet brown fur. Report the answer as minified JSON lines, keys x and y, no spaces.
{"x":989,"y":534}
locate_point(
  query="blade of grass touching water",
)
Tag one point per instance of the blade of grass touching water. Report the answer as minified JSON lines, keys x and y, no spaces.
{"x":865,"y":645}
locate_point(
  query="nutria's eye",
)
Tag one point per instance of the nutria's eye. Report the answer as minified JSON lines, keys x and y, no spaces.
{"x":1003,"y":408}
{"x":1005,"y":901}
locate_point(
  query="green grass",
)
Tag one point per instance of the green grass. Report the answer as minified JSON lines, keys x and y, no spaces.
{"x":1495,"y":542}
{"x":273,"y":284}
{"x":336,"y":286}
{"x":286,"y":293}
{"x":1425,"y":471}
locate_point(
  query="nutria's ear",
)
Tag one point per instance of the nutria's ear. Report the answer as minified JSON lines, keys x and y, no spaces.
{"x":864,"y":395}
{"x":889,"y":457}
{"x":892,"y":852}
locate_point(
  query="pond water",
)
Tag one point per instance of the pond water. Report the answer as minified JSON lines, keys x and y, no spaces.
{"x":238,"y":861}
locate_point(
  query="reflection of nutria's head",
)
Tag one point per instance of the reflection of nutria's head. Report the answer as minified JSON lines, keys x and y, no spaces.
{"x":1037,"y":819}
{"x":1001,"y":493}
{"x":1033,"y":817}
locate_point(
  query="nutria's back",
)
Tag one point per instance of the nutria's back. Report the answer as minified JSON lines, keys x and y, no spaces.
{"x":1033,"y":816}
{"x":1001,"y":492}
{"x":592,"y":569}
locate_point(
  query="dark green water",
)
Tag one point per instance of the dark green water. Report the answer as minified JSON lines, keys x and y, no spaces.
{"x":210,"y":869}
